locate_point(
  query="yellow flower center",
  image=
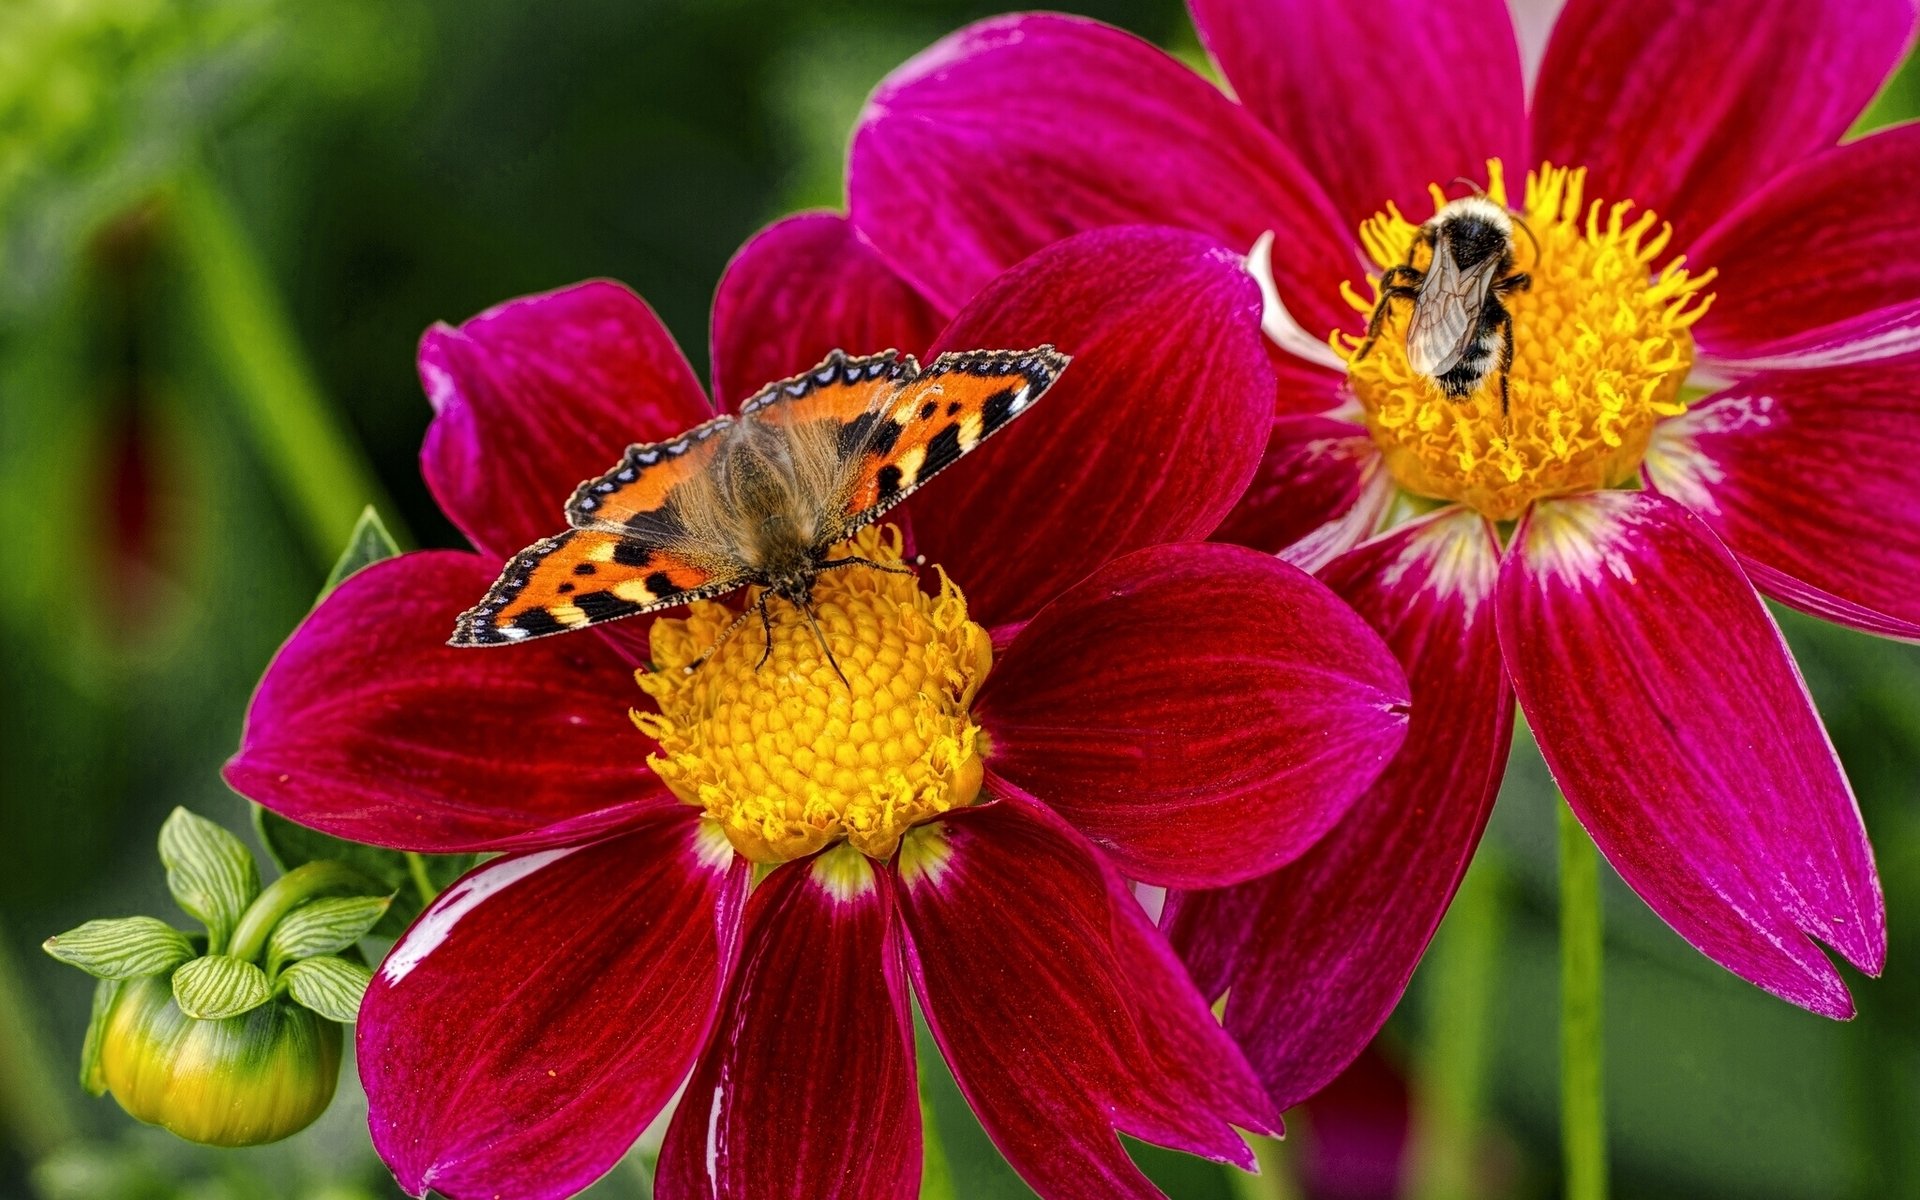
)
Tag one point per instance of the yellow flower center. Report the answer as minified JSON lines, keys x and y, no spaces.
{"x":1600,"y":350}
{"x":784,"y":757}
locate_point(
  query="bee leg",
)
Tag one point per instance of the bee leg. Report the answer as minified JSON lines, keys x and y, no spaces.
{"x":1388,"y":294}
{"x":1505,"y":320}
{"x":1513,"y":283}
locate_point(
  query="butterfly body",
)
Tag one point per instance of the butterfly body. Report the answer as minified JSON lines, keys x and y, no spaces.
{"x":758,"y":498}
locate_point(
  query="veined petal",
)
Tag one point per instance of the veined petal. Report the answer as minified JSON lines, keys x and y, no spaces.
{"x":533,"y":396}
{"x":1202,"y":712}
{"x":1060,"y":1009}
{"x":1149,"y":436}
{"x":806,"y":1089}
{"x":803,"y":286}
{"x":1322,"y":482}
{"x":1623,"y":93}
{"x":533,"y":1021}
{"x":1674,"y":720}
{"x":1883,"y":337}
{"x":1808,"y":476}
{"x":368,"y":726}
{"x":1827,"y":247}
{"x":1328,"y":952}
{"x":1382,"y":98}
{"x":1023,"y":129}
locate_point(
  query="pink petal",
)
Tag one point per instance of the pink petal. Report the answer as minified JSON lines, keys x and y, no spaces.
{"x":1062,"y":1012}
{"x":533,"y":396}
{"x":533,"y":1021}
{"x":806,"y":1089}
{"x":1674,"y":720}
{"x":1023,"y":129}
{"x":1625,"y":92}
{"x":1809,"y":477}
{"x":1149,"y":436}
{"x":1384,"y":98}
{"x":1328,"y":954}
{"x":1322,"y":480}
{"x":1848,"y":214}
{"x":368,"y":726}
{"x":803,"y":286}
{"x":1202,"y":712}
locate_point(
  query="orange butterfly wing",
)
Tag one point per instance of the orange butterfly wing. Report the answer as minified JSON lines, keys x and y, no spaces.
{"x":941,"y":414}
{"x":580,"y":578}
{"x":635,"y":495}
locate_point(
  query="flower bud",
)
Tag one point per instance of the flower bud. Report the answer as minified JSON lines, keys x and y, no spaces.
{"x":237,"y":1081}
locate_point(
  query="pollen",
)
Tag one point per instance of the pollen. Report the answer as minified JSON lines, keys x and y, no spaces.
{"x":784,"y":756}
{"x":1601,"y":347}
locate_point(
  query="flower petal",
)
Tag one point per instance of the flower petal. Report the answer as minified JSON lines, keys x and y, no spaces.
{"x":1808,"y":477}
{"x":1061,"y":1011}
{"x":1328,"y":954}
{"x":533,"y":396}
{"x":808,"y":1079}
{"x":1623,"y":92}
{"x":1383,"y":98}
{"x":1322,"y":481}
{"x":533,"y":1021}
{"x":1674,"y":720}
{"x":1023,"y":129}
{"x":1202,"y":712}
{"x":1834,"y":233}
{"x":801,"y":287}
{"x":1149,"y":436}
{"x":368,"y":726}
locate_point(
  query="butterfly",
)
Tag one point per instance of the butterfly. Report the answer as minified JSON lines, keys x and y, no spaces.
{"x":760,"y":497}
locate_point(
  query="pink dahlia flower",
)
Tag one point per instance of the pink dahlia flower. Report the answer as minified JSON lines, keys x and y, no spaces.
{"x":1713,"y":392}
{"x":726,"y":880}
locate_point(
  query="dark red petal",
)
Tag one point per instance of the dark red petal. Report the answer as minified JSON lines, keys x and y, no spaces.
{"x":1834,"y":233}
{"x":533,"y":396}
{"x":1202,"y":712}
{"x":1320,"y":491}
{"x":1809,"y":477}
{"x":806,"y":1088}
{"x":1027,"y":128}
{"x":1149,"y":436}
{"x":803,"y":286}
{"x":533,"y":1021}
{"x":1345,"y":88}
{"x":1338,"y":933}
{"x":1625,"y":93}
{"x":1674,"y":720}
{"x":368,"y":726}
{"x":1062,"y":1012}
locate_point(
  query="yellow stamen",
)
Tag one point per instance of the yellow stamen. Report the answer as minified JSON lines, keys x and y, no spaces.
{"x":785,"y":758}
{"x":1601,"y":348}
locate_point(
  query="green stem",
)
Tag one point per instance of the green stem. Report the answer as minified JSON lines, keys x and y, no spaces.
{"x":1464,"y":966}
{"x":289,"y":892}
{"x":936,"y":1177}
{"x":417,"y":868}
{"x":305,"y":446}
{"x":1583,"y":1118}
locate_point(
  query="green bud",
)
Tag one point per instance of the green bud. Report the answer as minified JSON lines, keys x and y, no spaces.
{"x":209,"y":872}
{"x":121,"y":947}
{"x":218,"y":986}
{"x":332,"y":987}
{"x":325,"y":926}
{"x":239,"y":1081}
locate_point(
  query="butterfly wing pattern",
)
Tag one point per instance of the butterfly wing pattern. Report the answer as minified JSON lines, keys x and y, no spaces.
{"x":637,"y":542}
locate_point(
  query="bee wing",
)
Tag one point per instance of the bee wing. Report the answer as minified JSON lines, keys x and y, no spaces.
{"x":1446,"y":315}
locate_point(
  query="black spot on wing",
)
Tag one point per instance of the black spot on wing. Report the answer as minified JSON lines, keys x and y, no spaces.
{"x":538,"y":622}
{"x":927,"y":410}
{"x":632,"y":554}
{"x":942,"y":451}
{"x":584,"y":568}
{"x":660,"y":585}
{"x":604,"y":606}
{"x":887,"y":482}
{"x":852,"y":437}
{"x":996,"y":411}
{"x":564,"y":589}
{"x":953,"y":408}
{"x":886,"y":434}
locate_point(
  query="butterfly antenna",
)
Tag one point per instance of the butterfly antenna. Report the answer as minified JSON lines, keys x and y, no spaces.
{"x":857,"y":561}
{"x":806,"y":610}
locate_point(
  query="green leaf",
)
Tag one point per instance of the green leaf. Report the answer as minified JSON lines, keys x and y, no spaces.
{"x":92,"y":1078}
{"x":332,"y":987}
{"x":323,"y":927}
{"x":367,"y":544}
{"x":217,"y":986}
{"x":209,"y":872}
{"x":410,"y":877}
{"x":122,"y":947}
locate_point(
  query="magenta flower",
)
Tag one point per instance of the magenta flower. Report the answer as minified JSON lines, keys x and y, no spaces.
{"x":1684,"y":430}
{"x":956,"y":816}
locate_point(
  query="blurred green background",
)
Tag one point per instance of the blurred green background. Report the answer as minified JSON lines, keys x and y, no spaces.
{"x":223,"y":225}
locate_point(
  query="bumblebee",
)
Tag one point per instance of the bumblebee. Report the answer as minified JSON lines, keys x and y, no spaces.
{"x":1460,"y":332}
